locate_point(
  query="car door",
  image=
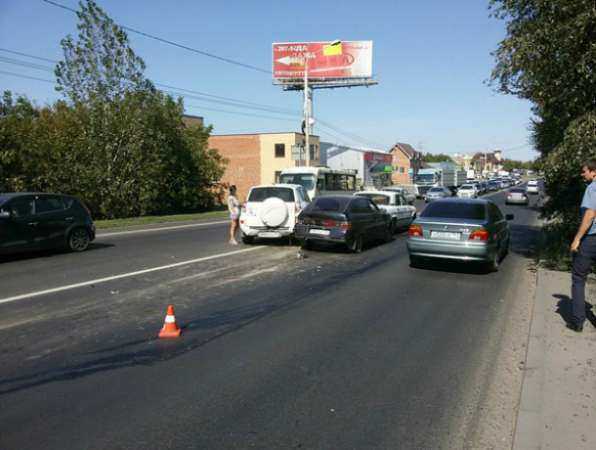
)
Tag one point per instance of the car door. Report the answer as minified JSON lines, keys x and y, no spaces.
{"x":51,"y":221}
{"x":377,"y":219}
{"x":17,"y":231}
{"x":498,"y":222}
{"x":360,"y":217}
{"x":401,"y":210}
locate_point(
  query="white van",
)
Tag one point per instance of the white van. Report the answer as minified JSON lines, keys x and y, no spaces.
{"x":271,"y":210}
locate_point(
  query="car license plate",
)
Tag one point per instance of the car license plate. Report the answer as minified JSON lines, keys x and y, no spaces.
{"x":319,"y":232}
{"x":445,"y":235}
{"x":269,"y":234}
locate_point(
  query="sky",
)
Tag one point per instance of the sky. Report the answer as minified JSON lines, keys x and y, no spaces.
{"x":431,"y":58}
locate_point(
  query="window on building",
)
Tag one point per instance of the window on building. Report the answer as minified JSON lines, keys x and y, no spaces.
{"x":280,"y":150}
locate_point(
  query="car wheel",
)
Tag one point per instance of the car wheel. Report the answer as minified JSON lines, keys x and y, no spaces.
{"x":493,"y":265}
{"x":248,"y":239}
{"x":357,"y":244}
{"x":78,"y":240}
{"x":388,"y":234}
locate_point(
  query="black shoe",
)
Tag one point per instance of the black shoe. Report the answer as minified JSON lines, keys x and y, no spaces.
{"x":578,"y":328}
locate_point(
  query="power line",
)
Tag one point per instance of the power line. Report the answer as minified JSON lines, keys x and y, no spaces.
{"x":226,"y":100}
{"x":175,"y":44}
{"x":20,"y":75}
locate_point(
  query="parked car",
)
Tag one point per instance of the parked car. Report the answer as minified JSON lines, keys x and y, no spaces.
{"x":271,"y":210}
{"x":494,"y":185}
{"x":409,"y":191}
{"x":36,"y":221}
{"x":347,"y":220}
{"x":393,"y":203}
{"x":467,"y":191}
{"x":533,"y":187}
{"x":461,"y":230}
{"x":437,"y":193}
{"x":517,"y":196}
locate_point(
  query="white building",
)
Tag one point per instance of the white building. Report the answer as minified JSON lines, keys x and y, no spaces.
{"x":372,"y":167}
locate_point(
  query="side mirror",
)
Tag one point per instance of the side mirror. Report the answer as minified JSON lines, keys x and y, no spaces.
{"x":509,"y":216}
{"x":4,"y":215}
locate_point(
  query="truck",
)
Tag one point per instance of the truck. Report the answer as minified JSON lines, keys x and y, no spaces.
{"x":444,"y":174}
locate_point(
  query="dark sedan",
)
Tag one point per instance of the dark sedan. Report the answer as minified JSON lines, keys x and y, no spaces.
{"x":351,"y":221}
{"x":460,"y":230}
{"x":36,"y":221}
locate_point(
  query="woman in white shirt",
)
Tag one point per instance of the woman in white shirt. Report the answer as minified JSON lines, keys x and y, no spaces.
{"x":234,"y":209}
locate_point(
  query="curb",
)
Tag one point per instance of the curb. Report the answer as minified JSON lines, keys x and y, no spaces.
{"x":528,"y":430}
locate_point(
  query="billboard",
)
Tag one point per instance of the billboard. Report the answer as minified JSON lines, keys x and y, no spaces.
{"x":340,"y":60}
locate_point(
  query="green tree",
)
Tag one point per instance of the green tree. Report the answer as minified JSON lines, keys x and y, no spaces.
{"x":100,"y":64}
{"x":434,"y":158}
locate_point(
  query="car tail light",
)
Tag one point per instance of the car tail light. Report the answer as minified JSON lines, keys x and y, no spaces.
{"x":415,"y":231}
{"x":345,"y":226}
{"x":329,"y":223}
{"x":479,"y":235}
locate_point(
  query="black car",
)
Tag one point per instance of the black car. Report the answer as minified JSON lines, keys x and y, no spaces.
{"x":351,"y":221}
{"x":35,"y":221}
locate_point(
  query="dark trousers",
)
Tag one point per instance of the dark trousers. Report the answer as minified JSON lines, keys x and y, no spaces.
{"x":582,"y":265}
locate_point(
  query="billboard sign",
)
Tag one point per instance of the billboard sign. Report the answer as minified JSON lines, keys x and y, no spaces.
{"x":327,"y":61}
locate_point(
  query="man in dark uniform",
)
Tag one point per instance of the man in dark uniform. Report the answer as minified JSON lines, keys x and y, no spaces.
{"x":584,"y":248}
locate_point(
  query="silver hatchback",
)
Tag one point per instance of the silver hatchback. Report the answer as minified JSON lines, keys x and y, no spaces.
{"x":460,"y":230}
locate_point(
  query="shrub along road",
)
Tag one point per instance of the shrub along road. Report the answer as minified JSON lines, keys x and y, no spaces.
{"x":331,"y":351}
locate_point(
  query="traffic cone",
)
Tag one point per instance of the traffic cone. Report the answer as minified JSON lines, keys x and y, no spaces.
{"x":170,"y":329}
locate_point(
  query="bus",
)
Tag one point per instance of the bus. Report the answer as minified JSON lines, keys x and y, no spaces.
{"x":319,"y":181}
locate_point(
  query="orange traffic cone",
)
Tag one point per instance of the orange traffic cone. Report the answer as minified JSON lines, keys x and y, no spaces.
{"x":170,"y":329}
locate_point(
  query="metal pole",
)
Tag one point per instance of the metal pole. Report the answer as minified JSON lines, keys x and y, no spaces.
{"x":306,"y":114}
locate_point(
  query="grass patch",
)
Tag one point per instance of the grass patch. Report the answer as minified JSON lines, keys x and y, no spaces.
{"x":149,"y":220}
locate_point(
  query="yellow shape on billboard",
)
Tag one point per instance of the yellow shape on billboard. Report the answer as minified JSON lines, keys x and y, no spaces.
{"x":332,"y":50}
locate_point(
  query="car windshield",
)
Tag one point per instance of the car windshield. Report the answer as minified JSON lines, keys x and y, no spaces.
{"x":455,"y":210}
{"x":262,"y":194}
{"x":517,"y":191}
{"x":307,"y":181}
{"x":3,"y":199}
{"x":467,"y":186}
{"x":331,"y":204}
{"x":379,"y":199}
{"x":435,"y":189}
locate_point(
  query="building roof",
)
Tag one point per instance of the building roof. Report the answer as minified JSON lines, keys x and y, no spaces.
{"x":406,"y":149}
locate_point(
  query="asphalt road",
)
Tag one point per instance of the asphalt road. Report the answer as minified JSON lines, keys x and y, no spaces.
{"x":329,"y":351}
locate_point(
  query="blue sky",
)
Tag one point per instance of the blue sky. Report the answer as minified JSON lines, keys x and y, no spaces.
{"x":431,"y":59}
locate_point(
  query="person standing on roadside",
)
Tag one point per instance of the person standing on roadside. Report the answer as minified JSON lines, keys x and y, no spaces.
{"x":234,"y":209}
{"x":583,"y":248}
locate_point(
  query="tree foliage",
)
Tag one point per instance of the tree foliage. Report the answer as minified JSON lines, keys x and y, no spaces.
{"x":115,"y":142}
{"x":128,"y":157}
{"x":100,"y":64}
{"x":549,"y":58}
{"x":434,"y":158}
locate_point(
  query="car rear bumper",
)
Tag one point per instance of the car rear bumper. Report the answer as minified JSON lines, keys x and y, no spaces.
{"x":517,"y":201}
{"x":460,"y":251}
{"x":304,"y":232}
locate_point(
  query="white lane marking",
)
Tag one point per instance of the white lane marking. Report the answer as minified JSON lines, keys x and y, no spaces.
{"x":149,"y":230}
{"x":125,"y":275}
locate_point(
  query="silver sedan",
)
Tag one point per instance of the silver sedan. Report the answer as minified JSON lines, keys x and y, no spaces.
{"x":460,"y":230}
{"x":437,"y":193}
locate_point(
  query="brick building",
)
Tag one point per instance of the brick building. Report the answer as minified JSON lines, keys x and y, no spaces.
{"x":406,"y":163}
{"x":259,"y":158}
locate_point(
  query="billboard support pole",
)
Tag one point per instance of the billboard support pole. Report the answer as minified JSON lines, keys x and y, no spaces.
{"x":306,"y":115}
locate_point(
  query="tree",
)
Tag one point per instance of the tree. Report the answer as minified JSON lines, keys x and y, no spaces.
{"x":434,"y":158}
{"x":100,"y":64}
{"x":549,"y":58}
